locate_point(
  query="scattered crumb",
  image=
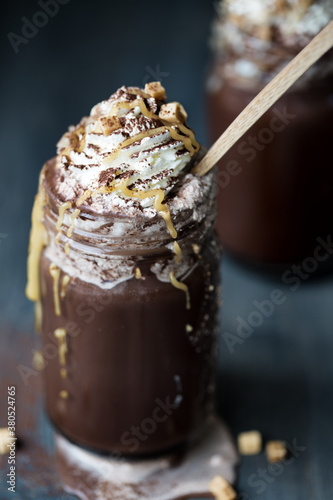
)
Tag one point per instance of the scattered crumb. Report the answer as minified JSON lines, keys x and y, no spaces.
{"x":249,"y":443}
{"x":276,"y":451}
{"x":221,"y":489}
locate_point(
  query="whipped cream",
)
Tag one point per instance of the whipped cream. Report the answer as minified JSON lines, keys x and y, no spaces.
{"x":257,"y":38}
{"x":123,"y":140}
{"x":300,"y":18}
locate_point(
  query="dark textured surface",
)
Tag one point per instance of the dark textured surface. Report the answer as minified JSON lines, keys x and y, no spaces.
{"x":279,"y":379}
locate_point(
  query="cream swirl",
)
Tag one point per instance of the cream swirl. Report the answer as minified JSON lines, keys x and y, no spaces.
{"x":129,"y":142}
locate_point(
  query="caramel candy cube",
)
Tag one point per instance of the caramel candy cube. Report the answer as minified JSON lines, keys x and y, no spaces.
{"x":109,"y":124}
{"x":221,"y":489}
{"x":173,"y":112}
{"x":249,"y":443}
{"x":4,"y":441}
{"x":155,"y":90}
{"x":276,"y":451}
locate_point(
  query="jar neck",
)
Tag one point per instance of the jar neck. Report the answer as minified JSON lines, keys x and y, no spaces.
{"x":115,"y":236}
{"x":112,"y":234}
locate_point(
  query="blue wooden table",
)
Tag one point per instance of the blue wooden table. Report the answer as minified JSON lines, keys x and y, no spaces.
{"x":278,"y":380}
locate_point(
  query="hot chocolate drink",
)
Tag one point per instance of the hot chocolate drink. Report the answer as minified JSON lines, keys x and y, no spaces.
{"x":124,"y":270}
{"x":275,"y":184}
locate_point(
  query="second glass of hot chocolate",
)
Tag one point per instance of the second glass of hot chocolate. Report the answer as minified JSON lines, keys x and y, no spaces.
{"x":124,"y":270}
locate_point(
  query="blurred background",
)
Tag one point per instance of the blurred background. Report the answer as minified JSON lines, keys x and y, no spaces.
{"x":80,"y":57}
{"x":278,"y":376}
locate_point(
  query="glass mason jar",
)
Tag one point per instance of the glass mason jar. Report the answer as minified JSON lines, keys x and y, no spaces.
{"x":275,"y":184}
{"x":134,"y":368}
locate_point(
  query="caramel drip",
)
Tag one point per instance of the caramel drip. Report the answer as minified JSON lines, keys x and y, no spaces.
{"x":55,"y":273}
{"x":67,"y":248}
{"x":64,"y":394}
{"x":38,"y":316}
{"x":38,"y":240}
{"x":137,"y":273}
{"x":38,"y":360}
{"x":180,"y":286}
{"x":158,"y":195}
{"x":74,"y":216}
{"x":64,"y":283}
{"x":167,"y":218}
{"x":62,"y":209}
{"x":131,"y":105}
{"x":190,"y":133}
{"x":60,"y":335}
{"x":83,"y":197}
{"x":79,"y":143}
{"x":178,"y":137}
{"x":131,"y":140}
{"x":196,"y":248}
{"x":178,"y":252}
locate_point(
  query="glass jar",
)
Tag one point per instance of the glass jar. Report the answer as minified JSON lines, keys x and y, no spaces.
{"x":275,"y":184}
{"x":134,"y":325}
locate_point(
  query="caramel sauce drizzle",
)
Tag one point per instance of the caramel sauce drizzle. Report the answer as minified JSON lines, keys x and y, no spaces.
{"x":180,"y":286}
{"x":74,"y":216}
{"x":178,"y":252}
{"x":62,"y":209}
{"x":38,"y":360}
{"x":137,"y":273}
{"x":38,"y":240}
{"x":157,"y":194}
{"x":131,"y":105}
{"x":55,"y":273}
{"x":131,"y":140}
{"x":38,"y":316}
{"x":60,"y":335}
{"x":64,"y":284}
{"x":83,"y":197}
{"x":79,"y":144}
